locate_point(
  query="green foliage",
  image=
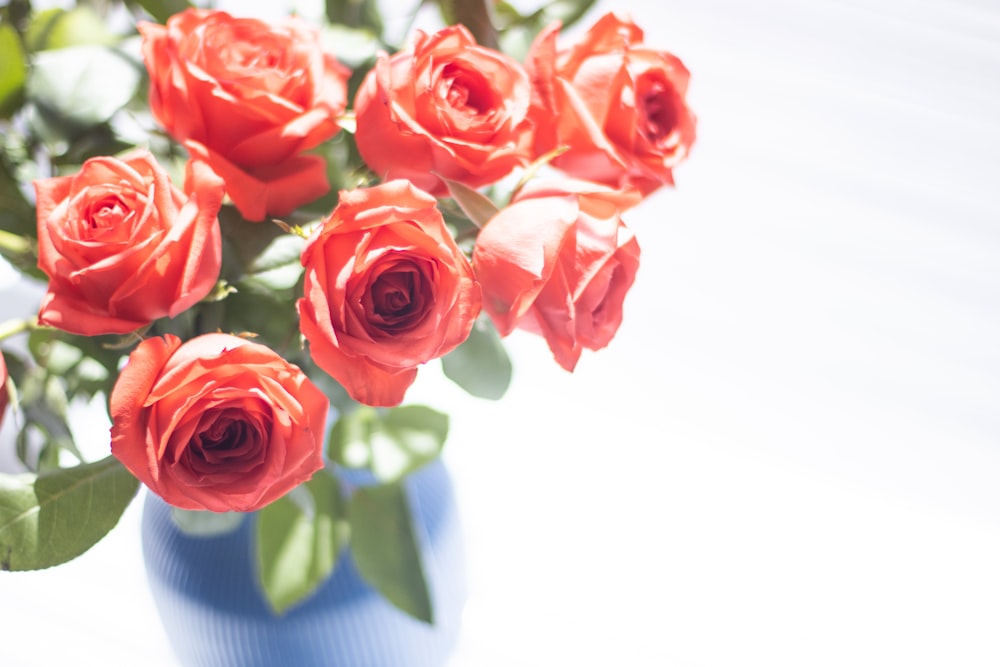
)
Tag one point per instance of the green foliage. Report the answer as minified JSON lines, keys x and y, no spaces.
{"x":160,"y":10}
{"x":385,"y":550}
{"x":60,"y":28}
{"x":480,"y":365}
{"x":391,"y":442}
{"x":299,"y":538}
{"x":53,"y":517}
{"x":479,"y":208}
{"x":517,"y":30}
{"x":62,"y":84}
{"x":14,"y":70}
{"x":355,"y":14}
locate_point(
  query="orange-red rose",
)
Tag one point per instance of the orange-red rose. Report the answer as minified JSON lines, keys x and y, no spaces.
{"x":616,"y":103}
{"x":446,"y":106}
{"x":122,"y":246}
{"x":248,"y":97}
{"x":558,"y":262}
{"x":386,"y":289}
{"x":217,"y":423}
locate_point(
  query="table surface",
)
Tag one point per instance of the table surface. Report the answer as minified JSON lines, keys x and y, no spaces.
{"x":789,"y":455}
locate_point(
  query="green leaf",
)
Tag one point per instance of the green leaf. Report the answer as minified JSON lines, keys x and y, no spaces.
{"x":384,"y":548}
{"x":479,"y":208}
{"x":392,"y":442}
{"x":54,"y":517}
{"x":566,"y":11}
{"x":203,"y":523}
{"x":299,"y":538}
{"x":355,"y":14}
{"x":14,"y":70}
{"x":161,"y":10}
{"x":349,"y":443}
{"x":59,"y":28}
{"x":352,"y":46}
{"x":407,"y":437}
{"x":43,"y":402}
{"x":83,"y":85}
{"x":480,"y":365}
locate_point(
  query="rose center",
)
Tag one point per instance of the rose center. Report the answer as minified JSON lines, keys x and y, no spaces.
{"x":107,"y":213}
{"x":464,"y":91}
{"x":398,"y":298}
{"x":227,"y":438}
{"x":659,"y":115}
{"x":224,"y":434}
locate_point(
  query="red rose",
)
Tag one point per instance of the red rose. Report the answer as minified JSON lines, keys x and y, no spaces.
{"x":558,"y":262}
{"x":616,"y":103}
{"x":447,"y":106}
{"x":248,"y":97}
{"x":216,"y":423}
{"x":122,"y":246}
{"x":386,"y":289}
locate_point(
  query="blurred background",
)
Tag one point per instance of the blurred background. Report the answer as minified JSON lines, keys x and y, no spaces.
{"x":789,"y":454}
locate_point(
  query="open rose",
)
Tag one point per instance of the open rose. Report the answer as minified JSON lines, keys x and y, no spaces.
{"x":122,"y":246}
{"x":558,"y":262}
{"x":616,"y":103}
{"x":447,"y":106}
{"x":217,"y":423}
{"x":248,"y":97}
{"x":386,"y":289}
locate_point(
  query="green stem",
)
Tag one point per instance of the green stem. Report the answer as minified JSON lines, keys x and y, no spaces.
{"x":14,"y":327}
{"x":14,"y":243}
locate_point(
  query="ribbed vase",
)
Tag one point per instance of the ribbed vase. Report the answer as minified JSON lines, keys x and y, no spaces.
{"x":215,"y":616}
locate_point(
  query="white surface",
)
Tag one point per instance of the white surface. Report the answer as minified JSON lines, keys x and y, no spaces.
{"x":789,"y":454}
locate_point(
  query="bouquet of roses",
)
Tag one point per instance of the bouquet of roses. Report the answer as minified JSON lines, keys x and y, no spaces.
{"x":252,"y":234}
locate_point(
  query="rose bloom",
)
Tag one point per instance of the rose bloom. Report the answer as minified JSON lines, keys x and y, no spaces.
{"x":122,"y":246}
{"x":558,"y":262}
{"x":447,"y":106}
{"x":386,"y":289}
{"x":217,"y":423}
{"x":616,"y":103}
{"x":248,"y":97}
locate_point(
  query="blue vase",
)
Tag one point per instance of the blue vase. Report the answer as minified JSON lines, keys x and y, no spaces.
{"x":214,"y":614}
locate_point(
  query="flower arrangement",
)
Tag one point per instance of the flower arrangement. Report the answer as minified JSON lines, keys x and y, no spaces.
{"x":252,"y":234}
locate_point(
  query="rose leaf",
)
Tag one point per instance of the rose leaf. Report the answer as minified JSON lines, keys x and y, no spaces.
{"x":299,"y":538}
{"x":480,"y":365}
{"x":384,"y":548}
{"x":84,"y":85}
{"x":161,"y":10}
{"x":405,"y":439}
{"x":13,"y":74}
{"x":53,"y":517}
{"x":391,"y":442}
{"x":479,"y":208}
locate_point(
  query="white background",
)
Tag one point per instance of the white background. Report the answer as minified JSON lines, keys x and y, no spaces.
{"x":789,"y":455}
